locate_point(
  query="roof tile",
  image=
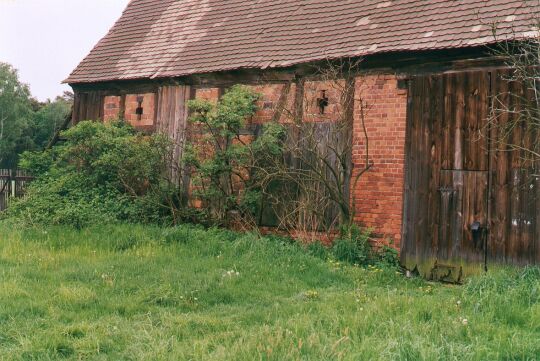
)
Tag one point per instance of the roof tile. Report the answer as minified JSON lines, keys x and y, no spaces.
{"x":169,"y":38}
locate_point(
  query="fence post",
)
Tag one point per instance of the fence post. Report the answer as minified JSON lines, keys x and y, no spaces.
{"x":13,"y":179}
{"x":12,"y":185}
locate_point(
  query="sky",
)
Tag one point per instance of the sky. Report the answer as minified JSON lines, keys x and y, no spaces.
{"x":46,"y":39}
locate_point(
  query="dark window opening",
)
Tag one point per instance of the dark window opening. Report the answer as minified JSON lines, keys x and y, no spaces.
{"x":403,"y":84}
{"x":139,"y":111}
{"x":322,"y":102}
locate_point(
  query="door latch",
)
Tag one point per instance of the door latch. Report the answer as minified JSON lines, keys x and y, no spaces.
{"x":477,"y":231}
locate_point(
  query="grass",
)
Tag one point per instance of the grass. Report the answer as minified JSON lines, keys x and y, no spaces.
{"x":144,"y":293}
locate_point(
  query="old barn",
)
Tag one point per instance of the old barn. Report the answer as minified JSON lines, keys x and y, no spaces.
{"x":448,"y":197}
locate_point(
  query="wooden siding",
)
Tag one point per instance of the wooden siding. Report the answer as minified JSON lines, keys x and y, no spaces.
{"x":171,"y":119}
{"x":312,"y":145}
{"x":88,"y":106}
{"x":455,"y":177}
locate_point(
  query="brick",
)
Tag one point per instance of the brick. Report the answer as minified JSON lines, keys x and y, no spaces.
{"x":111,"y":109}
{"x":378,"y":196}
{"x":147,"y":119}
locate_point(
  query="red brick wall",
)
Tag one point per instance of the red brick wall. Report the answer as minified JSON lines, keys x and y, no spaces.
{"x":378,"y":195}
{"x":272,"y":95}
{"x":333,"y":90}
{"x":207,"y":94}
{"x":269,"y":102}
{"x":111,"y":109}
{"x":147,"y":119}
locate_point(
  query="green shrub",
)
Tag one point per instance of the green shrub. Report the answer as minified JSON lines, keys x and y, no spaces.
{"x":353,"y":246}
{"x":388,"y":257}
{"x":101,"y":173}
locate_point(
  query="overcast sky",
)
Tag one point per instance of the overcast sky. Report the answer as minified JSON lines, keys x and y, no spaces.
{"x":46,"y":39}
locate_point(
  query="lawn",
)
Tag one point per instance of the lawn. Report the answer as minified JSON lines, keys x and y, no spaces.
{"x":145,"y":293}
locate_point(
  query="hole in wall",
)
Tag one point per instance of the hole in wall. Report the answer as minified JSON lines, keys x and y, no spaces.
{"x":322,"y":102}
{"x":139,"y":111}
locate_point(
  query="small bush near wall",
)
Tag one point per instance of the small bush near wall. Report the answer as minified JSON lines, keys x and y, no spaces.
{"x":101,"y":173}
{"x":354,"y":247}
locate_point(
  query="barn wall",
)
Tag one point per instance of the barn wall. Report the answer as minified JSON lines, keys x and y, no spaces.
{"x":171,"y":118}
{"x":378,"y":194}
{"x":274,"y":99}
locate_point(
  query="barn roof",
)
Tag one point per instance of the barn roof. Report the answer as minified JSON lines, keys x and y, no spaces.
{"x":170,"y":38}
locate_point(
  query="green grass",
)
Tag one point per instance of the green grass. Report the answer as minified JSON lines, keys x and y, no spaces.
{"x":144,"y":293}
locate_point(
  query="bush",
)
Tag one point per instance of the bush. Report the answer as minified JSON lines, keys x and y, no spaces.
{"x":101,"y":173}
{"x":388,"y":257}
{"x":353,"y":246}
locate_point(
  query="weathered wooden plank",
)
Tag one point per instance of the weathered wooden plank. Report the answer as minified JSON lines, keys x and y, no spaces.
{"x":436,"y":121}
{"x":408,"y":197}
{"x":462,"y":80}
{"x":500,"y":166}
{"x":88,"y":106}
{"x":417,"y":181}
{"x":536,"y":218}
{"x":495,"y":189}
{"x":475,"y":202}
{"x":171,"y":120}
{"x":12,"y":185}
{"x":447,"y":154}
{"x":416,"y":253}
{"x":447,"y":179}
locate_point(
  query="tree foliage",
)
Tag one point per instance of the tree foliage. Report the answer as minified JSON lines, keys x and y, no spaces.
{"x":49,"y":118}
{"x":15,"y":116}
{"x":25,"y":123}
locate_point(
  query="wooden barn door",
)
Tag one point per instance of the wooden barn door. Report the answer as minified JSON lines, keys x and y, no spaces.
{"x":447,"y":180}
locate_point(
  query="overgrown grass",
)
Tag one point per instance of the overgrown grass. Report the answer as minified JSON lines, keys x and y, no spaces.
{"x":143,"y":293}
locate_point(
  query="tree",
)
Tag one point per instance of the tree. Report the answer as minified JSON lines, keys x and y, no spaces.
{"x":25,"y":123}
{"x":294,"y":172}
{"x":15,"y":116}
{"x":514,"y":124}
{"x":226,"y":164}
{"x":49,"y":119}
{"x":310,"y":191}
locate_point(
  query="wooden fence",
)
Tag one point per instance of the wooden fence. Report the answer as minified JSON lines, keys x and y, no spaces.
{"x":12,"y":185}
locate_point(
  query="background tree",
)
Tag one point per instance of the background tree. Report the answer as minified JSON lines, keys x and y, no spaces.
{"x":15,"y":116}
{"x":50,"y":118}
{"x":25,"y":123}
